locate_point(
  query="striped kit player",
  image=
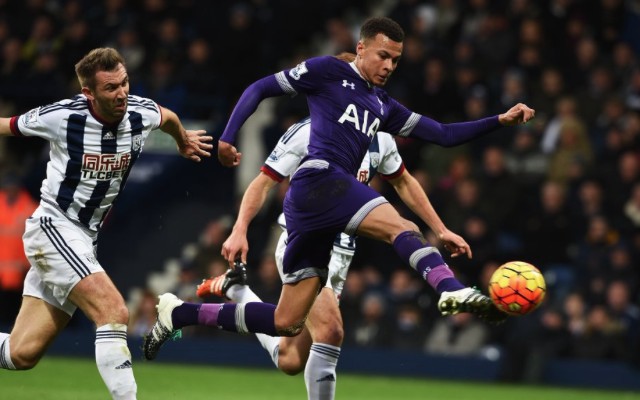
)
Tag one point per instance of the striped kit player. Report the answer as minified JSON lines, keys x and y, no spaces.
{"x":95,"y":139}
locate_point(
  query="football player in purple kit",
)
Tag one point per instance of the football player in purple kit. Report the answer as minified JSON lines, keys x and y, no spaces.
{"x":347,"y":107}
{"x":316,"y":350}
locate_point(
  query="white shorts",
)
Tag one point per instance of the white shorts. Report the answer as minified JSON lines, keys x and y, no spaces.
{"x":338,"y":265}
{"x":61,"y":254}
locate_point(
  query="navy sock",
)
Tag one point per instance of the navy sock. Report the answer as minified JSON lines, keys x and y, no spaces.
{"x":248,"y":317}
{"x":185,"y":314}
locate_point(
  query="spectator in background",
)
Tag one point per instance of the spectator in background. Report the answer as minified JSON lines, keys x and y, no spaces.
{"x":527,"y":164}
{"x":622,"y":267}
{"x":550,"y":89}
{"x":373,"y":327}
{"x":482,"y":239}
{"x":465,"y":203}
{"x":624,"y":59}
{"x":592,"y":97}
{"x":622,"y":309}
{"x":587,"y":202}
{"x":16,"y":205}
{"x":626,"y":174}
{"x":632,"y":206}
{"x":571,"y":160}
{"x":499,"y":185}
{"x":203,"y":82}
{"x":162,"y":84}
{"x":603,"y":339}
{"x":606,"y":132}
{"x":593,"y":254}
{"x":438,"y":98}
{"x":546,"y":336}
{"x":460,"y":335}
{"x":575,"y":309}
{"x":409,"y":328}
{"x":632,"y":91}
{"x":548,"y":236}
{"x":565,"y":108}
{"x":127,"y":42}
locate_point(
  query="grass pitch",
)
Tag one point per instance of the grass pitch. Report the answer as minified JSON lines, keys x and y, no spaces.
{"x":69,"y":378}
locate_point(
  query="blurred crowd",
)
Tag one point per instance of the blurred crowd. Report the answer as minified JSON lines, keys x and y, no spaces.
{"x":561,"y":192}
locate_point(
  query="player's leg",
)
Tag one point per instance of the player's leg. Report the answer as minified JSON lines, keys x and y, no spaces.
{"x":384,"y":223}
{"x":325,"y":325}
{"x":35,"y":328}
{"x":102,"y":303}
{"x":285,"y":319}
{"x":69,"y":276}
{"x":300,"y":289}
{"x":289,"y":354}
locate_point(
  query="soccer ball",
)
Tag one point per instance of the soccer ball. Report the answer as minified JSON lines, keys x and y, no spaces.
{"x":517,"y":288}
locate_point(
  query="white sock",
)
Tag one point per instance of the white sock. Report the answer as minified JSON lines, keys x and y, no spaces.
{"x":244,"y":294}
{"x":5,"y":353}
{"x":114,"y":361}
{"x":320,"y":372}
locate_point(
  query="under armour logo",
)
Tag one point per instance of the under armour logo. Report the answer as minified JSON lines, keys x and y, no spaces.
{"x":351,"y":84}
{"x":330,"y":377}
{"x":124,"y":365}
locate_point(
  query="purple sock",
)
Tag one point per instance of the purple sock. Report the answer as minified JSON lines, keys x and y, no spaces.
{"x":251,"y":317}
{"x":185,"y":314}
{"x":414,"y":250}
{"x":208,"y":314}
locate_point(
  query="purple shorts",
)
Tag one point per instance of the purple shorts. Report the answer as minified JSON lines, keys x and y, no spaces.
{"x":319,"y":204}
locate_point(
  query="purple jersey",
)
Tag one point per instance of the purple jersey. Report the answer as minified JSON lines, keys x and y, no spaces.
{"x":346,"y":110}
{"x":324,"y":197}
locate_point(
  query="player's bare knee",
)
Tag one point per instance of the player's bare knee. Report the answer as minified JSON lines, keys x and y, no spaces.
{"x":332,"y":333}
{"x":404,"y":226}
{"x":25,"y":358}
{"x":290,"y":330}
{"x":289,"y":326}
{"x":398,"y":226}
{"x":290,"y":366}
{"x":116,"y":314}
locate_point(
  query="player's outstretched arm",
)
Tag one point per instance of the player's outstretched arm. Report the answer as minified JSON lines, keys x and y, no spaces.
{"x":191,"y":144}
{"x":518,"y":114}
{"x":246,"y":106}
{"x":457,"y":133}
{"x":413,"y":195}
{"x":254,"y":197}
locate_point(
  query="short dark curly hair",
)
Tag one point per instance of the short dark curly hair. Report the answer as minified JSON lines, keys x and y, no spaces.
{"x":384,"y":25}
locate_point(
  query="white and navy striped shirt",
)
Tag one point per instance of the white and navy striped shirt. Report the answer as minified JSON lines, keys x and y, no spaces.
{"x":89,"y":160}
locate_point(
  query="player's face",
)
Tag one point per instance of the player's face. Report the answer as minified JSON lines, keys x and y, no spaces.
{"x":378,"y":58}
{"x":109,"y":98}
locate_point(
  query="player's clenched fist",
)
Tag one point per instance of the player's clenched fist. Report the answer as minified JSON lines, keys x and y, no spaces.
{"x":518,"y":114}
{"x":228,"y":154}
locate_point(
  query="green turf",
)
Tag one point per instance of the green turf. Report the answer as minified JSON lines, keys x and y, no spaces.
{"x":66,"y":379}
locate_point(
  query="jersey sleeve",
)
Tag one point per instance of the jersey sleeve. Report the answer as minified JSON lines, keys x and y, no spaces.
{"x":401,"y":120}
{"x":36,"y":123}
{"x":305,"y":77}
{"x":391,"y":164}
{"x":289,"y":151}
{"x":149,"y":109}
